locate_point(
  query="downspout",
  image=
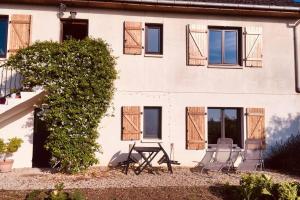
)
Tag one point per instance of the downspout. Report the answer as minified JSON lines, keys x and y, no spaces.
{"x":210,"y":4}
{"x":296,"y":55}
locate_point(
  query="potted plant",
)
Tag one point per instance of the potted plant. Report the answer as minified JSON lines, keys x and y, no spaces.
{"x":14,"y":93}
{"x":6,"y":150}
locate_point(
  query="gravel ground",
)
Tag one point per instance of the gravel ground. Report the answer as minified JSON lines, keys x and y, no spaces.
{"x":99,"y":177}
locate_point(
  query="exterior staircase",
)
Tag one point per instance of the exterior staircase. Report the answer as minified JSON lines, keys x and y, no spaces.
{"x":13,"y":100}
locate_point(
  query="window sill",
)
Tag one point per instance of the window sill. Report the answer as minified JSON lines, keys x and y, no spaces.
{"x":154,"y":55}
{"x":151,"y":141}
{"x":226,"y":66}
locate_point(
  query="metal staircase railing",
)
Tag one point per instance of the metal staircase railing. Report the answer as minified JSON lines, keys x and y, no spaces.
{"x":10,"y":82}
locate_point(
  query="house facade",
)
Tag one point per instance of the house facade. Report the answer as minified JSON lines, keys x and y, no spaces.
{"x":189,"y":71}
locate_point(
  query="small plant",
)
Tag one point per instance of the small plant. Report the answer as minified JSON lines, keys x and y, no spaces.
{"x":57,"y":194}
{"x":10,"y":147}
{"x":285,"y":191}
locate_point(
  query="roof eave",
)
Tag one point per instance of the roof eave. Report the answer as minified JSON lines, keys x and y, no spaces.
{"x":179,"y":7}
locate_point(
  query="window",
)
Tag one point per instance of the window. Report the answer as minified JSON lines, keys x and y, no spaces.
{"x":152,"y":123}
{"x":3,"y":35}
{"x":74,"y":28}
{"x":154,"y":39}
{"x":224,"y":46}
{"x":225,"y":123}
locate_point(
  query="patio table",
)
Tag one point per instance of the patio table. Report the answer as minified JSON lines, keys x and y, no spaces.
{"x":151,"y":152}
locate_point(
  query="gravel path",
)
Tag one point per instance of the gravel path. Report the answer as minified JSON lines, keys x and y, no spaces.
{"x":99,"y":177}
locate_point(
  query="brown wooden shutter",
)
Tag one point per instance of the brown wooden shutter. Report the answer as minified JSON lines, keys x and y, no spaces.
{"x":196,"y":45}
{"x":253,"y":46}
{"x":133,"y":38}
{"x":20,"y":32}
{"x":131,"y":123}
{"x":256,"y":124}
{"x":195,"y":128}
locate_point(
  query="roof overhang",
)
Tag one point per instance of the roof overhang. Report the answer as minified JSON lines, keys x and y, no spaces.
{"x":174,"y":6}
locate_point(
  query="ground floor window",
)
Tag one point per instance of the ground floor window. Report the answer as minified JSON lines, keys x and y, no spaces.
{"x":225,"y":123}
{"x":152,"y":123}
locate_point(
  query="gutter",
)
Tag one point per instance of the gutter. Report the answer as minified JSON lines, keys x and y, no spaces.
{"x":217,"y":5}
{"x":296,"y":55}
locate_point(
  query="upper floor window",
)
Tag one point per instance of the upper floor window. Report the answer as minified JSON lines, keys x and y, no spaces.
{"x":74,"y":28}
{"x":3,"y":35}
{"x":154,"y":39}
{"x":224,"y":46}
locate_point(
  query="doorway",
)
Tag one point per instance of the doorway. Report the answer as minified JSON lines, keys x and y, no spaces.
{"x":74,"y":28}
{"x":41,"y":157}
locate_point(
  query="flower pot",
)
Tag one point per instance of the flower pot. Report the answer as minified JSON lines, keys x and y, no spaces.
{"x":2,"y":100}
{"x":6,"y":166}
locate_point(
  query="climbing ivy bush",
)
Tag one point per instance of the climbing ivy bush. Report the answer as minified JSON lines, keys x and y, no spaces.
{"x":78,"y":77}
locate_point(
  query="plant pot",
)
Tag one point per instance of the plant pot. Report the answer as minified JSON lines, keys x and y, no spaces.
{"x":18,"y":96}
{"x":2,"y":100}
{"x":6,"y":166}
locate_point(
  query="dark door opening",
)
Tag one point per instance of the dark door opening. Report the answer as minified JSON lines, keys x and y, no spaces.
{"x":41,"y":157}
{"x":74,"y":28}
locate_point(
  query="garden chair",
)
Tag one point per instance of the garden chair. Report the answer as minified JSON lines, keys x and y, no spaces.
{"x":222,"y":155}
{"x":252,"y":156}
{"x":206,"y":159}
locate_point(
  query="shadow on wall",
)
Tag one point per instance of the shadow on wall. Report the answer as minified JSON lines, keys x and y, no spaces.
{"x":280,"y":129}
{"x":28,"y":123}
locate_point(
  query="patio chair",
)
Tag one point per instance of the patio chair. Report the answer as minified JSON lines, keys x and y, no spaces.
{"x":206,"y":159}
{"x":222,"y":155}
{"x":252,"y":156}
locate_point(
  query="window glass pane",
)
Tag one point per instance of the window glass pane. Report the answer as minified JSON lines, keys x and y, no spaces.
{"x":152,"y":122}
{"x":233,"y":125}
{"x":3,"y":36}
{"x":75,"y":30}
{"x":230,"y":47}
{"x":215,"y":47}
{"x":214,"y":125}
{"x":153,"y":40}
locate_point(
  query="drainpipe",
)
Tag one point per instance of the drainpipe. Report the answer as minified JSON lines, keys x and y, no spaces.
{"x":296,"y":31}
{"x":210,"y":4}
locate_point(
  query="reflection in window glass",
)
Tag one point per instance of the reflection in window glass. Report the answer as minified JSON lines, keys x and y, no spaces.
{"x":214,"y":125}
{"x":153,"y":39}
{"x":152,"y":122}
{"x":3,"y":36}
{"x":215,"y":47}
{"x":230,"y":47}
{"x":233,"y":125}
{"x":225,"y":122}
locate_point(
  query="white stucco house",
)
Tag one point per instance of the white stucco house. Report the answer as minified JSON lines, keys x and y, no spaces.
{"x":191,"y":71}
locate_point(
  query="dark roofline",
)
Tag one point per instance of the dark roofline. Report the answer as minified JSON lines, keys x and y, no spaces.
{"x":179,"y":6}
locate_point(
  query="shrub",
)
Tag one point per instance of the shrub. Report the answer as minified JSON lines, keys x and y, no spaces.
{"x":78,"y":77}
{"x":261,"y":187}
{"x":254,"y":187}
{"x":282,"y":155}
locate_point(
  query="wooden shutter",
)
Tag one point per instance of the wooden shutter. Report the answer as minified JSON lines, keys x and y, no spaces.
{"x":256,"y":124}
{"x":253,"y":46}
{"x":20,"y":32}
{"x":196,"y":44}
{"x":195,"y":128}
{"x":131,"y":123}
{"x":133,"y":38}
